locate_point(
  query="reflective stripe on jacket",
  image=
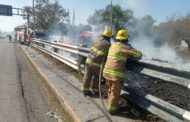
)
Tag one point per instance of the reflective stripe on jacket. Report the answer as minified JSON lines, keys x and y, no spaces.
{"x":89,"y":61}
{"x":98,"y":51}
{"x":116,"y":60}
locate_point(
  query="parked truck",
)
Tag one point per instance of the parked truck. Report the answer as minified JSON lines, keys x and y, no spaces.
{"x":22,"y":35}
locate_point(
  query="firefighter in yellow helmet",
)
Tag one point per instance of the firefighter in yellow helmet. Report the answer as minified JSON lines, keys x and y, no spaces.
{"x":114,"y":70}
{"x":98,"y":52}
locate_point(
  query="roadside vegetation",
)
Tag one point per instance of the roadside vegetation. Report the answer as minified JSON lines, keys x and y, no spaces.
{"x":52,"y":16}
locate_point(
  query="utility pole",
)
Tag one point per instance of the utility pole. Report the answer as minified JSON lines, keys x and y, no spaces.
{"x":33,"y":13}
{"x":28,"y":22}
{"x":111,"y":15}
{"x":73,"y":20}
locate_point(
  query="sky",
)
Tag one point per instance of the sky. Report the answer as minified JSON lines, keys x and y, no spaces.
{"x":158,"y":9}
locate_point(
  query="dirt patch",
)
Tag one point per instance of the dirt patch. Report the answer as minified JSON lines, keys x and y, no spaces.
{"x":174,"y":94}
{"x":171,"y":93}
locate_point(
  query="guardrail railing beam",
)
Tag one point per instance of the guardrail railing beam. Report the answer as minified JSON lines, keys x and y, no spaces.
{"x":148,"y":68}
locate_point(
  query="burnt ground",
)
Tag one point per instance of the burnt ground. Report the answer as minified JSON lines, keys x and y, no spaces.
{"x":169,"y":92}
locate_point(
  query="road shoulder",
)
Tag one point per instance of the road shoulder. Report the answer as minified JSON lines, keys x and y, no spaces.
{"x":78,"y":107}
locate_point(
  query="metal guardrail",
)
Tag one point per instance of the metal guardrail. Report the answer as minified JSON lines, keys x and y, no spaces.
{"x":163,"y":71}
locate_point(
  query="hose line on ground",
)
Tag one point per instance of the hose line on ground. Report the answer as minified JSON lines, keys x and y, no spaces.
{"x":100,"y":91}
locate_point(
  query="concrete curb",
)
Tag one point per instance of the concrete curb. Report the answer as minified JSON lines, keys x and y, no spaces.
{"x":80,"y":108}
{"x":63,"y":102}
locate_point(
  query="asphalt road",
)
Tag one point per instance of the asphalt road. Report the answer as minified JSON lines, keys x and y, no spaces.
{"x":21,"y":99}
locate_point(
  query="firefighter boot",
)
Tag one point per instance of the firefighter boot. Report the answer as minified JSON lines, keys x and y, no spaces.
{"x":86,"y":92}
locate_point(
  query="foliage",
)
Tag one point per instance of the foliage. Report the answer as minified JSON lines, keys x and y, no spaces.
{"x":75,"y":30}
{"x":50,"y":17}
{"x":27,"y":14}
{"x":120,"y":17}
{"x":49,"y":14}
{"x":58,"y":29}
{"x":83,"y":28}
{"x":174,"y":30}
{"x":171,"y":31}
{"x":142,"y":26}
{"x":27,"y":11}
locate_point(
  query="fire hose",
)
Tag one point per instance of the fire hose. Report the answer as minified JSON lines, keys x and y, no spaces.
{"x":100,"y":89}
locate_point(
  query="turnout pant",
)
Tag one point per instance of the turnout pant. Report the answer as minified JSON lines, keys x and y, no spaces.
{"x":91,"y":77}
{"x":114,"y":90}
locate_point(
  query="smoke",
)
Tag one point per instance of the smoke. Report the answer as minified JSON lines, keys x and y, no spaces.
{"x":164,"y":53}
{"x":2,"y":34}
{"x":139,"y":7}
{"x":144,"y":38}
{"x":150,"y":51}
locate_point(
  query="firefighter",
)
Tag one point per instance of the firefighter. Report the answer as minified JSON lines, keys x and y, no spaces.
{"x":94,"y":60}
{"x":114,"y":70}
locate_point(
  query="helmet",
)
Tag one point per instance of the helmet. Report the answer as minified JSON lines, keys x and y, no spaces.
{"x":107,"y":33}
{"x":122,"y":34}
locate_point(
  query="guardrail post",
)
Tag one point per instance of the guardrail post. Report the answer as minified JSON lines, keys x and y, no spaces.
{"x":56,"y":50}
{"x":81,"y":60}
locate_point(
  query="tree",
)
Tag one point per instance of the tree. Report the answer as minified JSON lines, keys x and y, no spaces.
{"x":120,"y":17}
{"x":27,"y":14}
{"x":145,"y":25}
{"x":58,"y":29}
{"x":82,"y":28}
{"x":174,"y":29}
{"x":49,"y":14}
{"x":75,"y":30}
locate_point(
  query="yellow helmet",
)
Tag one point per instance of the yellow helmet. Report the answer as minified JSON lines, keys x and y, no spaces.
{"x":107,"y":33}
{"x":122,"y":34}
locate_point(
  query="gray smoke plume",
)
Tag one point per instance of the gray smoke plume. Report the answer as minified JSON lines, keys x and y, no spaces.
{"x":144,"y":39}
{"x":150,"y":51}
